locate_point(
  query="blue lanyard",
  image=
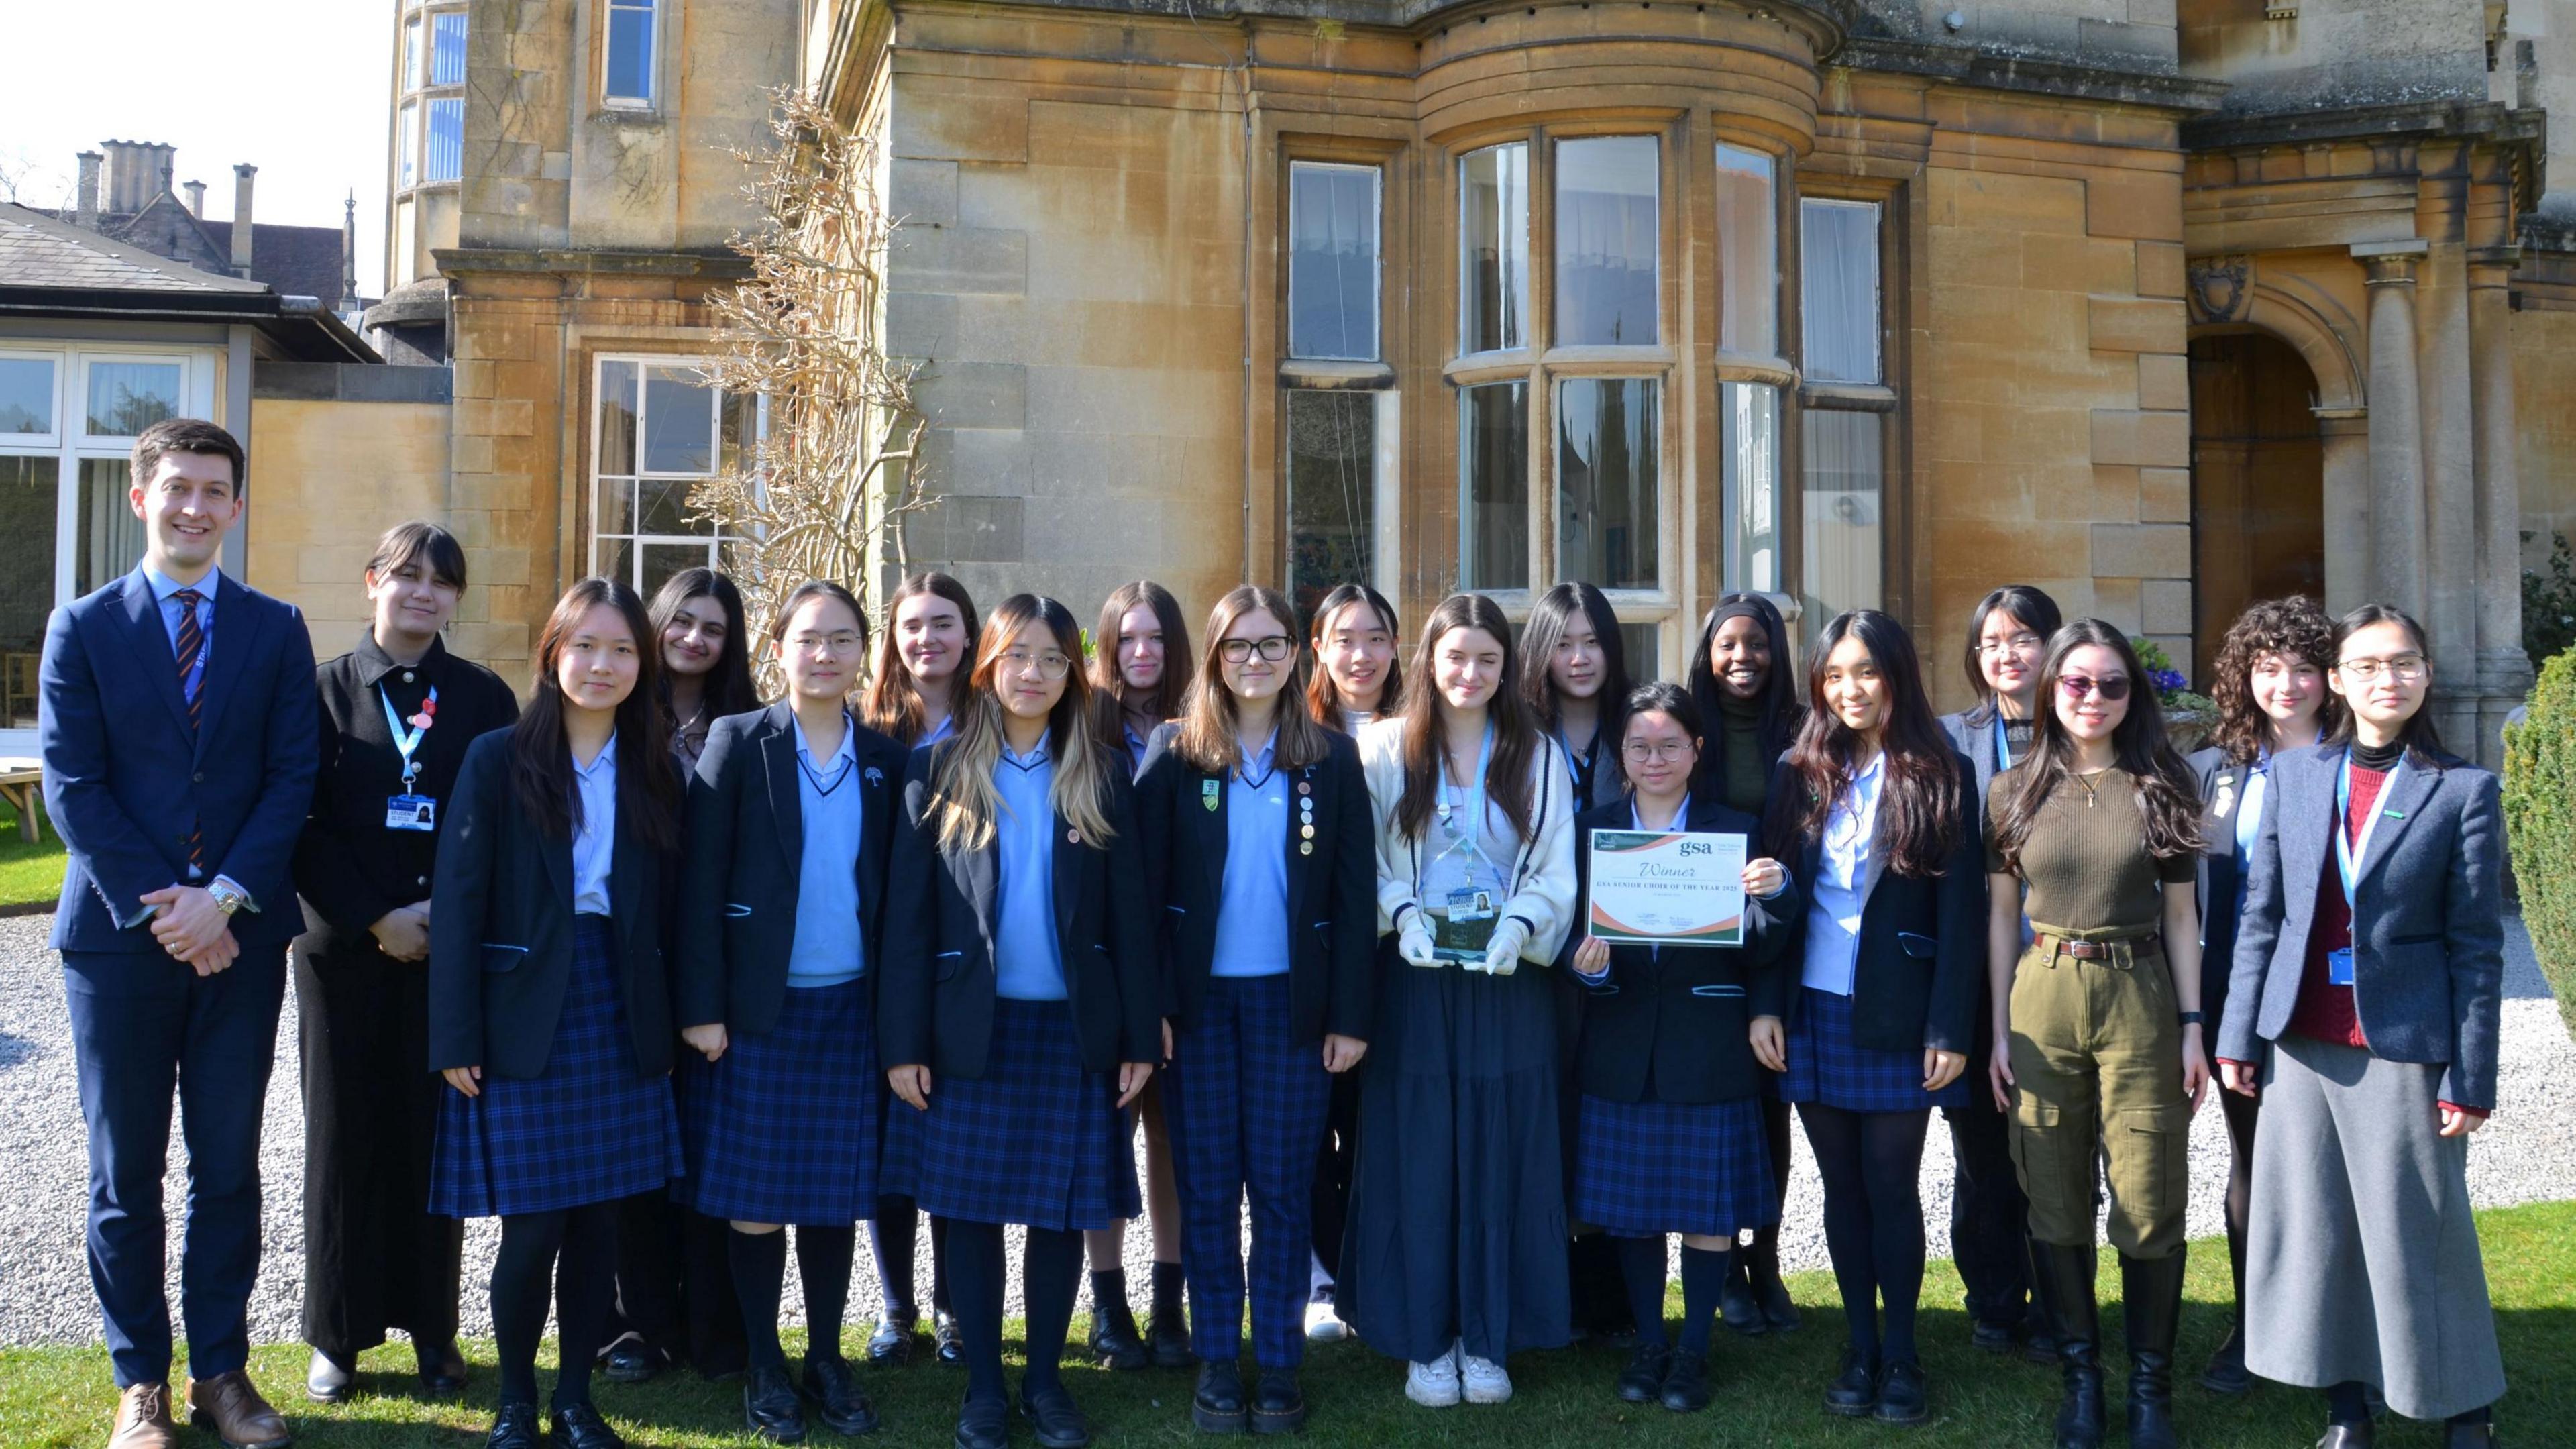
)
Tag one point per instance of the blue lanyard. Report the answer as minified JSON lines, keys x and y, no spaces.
{"x":1472,"y":836}
{"x":407,"y":738}
{"x":2003,"y":745}
{"x":2351,"y":851}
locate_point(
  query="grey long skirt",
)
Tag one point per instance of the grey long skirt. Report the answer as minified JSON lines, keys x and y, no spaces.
{"x":2362,"y":1259}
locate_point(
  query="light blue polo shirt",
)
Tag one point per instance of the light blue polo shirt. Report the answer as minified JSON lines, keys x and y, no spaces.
{"x":1252,"y":907}
{"x":829,"y":948}
{"x":1028,"y":961}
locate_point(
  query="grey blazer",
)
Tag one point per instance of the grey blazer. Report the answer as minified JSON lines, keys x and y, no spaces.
{"x":2428,"y":929}
{"x":1972,"y":733}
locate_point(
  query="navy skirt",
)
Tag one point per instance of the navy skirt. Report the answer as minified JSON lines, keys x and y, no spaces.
{"x":783,"y":1127}
{"x":1647,"y":1168}
{"x":1828,"y":1067}
{"x":589,"y":1128}
{"x":899,"y":1148}
{"x":1036,"y":1140}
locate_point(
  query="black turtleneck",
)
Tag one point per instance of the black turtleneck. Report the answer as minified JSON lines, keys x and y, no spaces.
{"x":2382,"y":758}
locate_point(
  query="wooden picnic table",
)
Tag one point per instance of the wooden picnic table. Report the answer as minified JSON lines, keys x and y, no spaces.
{"x":20,"y":780}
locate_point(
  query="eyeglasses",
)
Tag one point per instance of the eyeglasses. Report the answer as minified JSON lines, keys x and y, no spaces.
{"x":1049,"y":666}
{"x":2404,"y":668}
{"x":2017,"y":644}
{"x":1274,"y":648}
{"x":1656,"y":752}
{"x":2112,"y":688}
{"x":839,"y":641}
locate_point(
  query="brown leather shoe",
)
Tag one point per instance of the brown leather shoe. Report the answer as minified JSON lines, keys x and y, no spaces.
{"x":227,"y":1407}
{"x":143,"y":1419}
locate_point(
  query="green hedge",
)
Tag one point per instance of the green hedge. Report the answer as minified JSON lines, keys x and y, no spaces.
{"x":2540,"y":821}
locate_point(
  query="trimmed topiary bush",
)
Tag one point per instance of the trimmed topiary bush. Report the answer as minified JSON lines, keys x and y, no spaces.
{"x":2540,"y":824}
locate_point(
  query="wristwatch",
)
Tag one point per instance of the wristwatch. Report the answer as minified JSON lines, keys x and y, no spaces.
{"x":2194,"y":1018}
{"x":227,"y":899}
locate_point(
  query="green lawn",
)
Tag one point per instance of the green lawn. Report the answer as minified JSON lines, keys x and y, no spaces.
{"x":28,"y":872}
{"x":1767,"y":1388}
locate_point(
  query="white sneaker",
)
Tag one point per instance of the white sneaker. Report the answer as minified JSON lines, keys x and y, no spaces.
{"x":1485,"y":1379}
{"x":1433,"y":1385}
{"x":1322,"y":1326}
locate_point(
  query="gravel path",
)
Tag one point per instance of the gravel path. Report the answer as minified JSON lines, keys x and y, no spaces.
{"x":2527,"y":1154}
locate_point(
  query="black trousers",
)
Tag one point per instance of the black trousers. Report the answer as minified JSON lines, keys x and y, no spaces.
{"x":1988,"y":1213}
{"x":1333,"y":1165}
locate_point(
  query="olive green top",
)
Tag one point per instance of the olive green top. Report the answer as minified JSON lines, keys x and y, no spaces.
{"x":2086,"y":861}
{"x":1748,"y":774}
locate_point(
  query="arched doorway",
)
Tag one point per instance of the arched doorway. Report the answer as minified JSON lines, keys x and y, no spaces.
{"x":2257,"y":482}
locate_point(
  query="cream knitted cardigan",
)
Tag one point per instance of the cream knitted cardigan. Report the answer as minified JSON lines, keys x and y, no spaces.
{"x":1541,"y":880}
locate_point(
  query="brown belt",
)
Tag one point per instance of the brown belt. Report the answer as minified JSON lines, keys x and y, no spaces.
{"x":2124,"y":949}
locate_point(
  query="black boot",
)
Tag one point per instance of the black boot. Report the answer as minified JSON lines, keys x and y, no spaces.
{"x":2150,"y":1305}
{"x":2080,"y":1412}
{"x":2039,"y":1340}
{"x":2226,"y":1372}
{"x":1736,"y":1305}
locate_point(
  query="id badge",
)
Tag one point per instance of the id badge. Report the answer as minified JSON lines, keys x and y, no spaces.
{"x":1464,"y":931}
{"x":411,"y":812}
{"x":2339,"y":967}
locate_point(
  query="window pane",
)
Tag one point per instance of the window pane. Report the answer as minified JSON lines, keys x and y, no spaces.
{"x":1493,"y":461}
{"x":615,"y":559}
{"x":1493,"y":243}
{"x":445,"y":153}
{"x":1839,"y":266}
{"x":26,"y":395}
{"x":1606,"y":241}
{"x":1841,"y":519}
{"x":1332,"y":261}
{"x":742,"y":430}
{"x":27,"y":490}
{"x":630,"y":51}
{"x":662,"y":506}
{"x":406,"y":138}
{"x":447,"y":49}
{"x":1605,"y":481}
{"x":617,"y":417}
{"x":679,"y":422}
{"x":127,"y":397}
{"x":658,"y":561}
{"x":1749,"y":449}
{"x":111,"y":537}
{"x":411,"y":64}
{"x":1748,"y":256}
{"x":1642,"y":643}
{"x":616,"y":511}
{"x":1332,"y":491}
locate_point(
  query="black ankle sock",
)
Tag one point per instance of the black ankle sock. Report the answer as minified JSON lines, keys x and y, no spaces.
{"x":890,"y":1236}
{"x":2483,"y":1415}
{"x":1167,"y":1293}
{"x":824,"y":1257}
{"x":1641,"y":1265}
{"x":2345,"y":1404}
{"x":1050,"y":1272}
{"x":1703,"y":1283}
{"x":1108,"y":1290}
{"x":759,"y":1263}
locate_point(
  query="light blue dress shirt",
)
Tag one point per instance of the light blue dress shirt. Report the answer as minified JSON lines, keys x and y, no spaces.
{"x":828,"y":948}
{"x":163,"y":586}
{"x":1252,"y":905}
{"x":1136,"y":746}
{"x":1833,"y":915}
{"x":1028,"y":963}
{"x":594,"y":844}
{"x":2249,"y":820}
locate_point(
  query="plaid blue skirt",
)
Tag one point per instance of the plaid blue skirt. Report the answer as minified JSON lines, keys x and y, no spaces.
{"x":783,"y":1127}
{"x":589,"y":1128}
{"x":899,"y":1148}
{"x":1036,"y":1140}
{"x":1828,"y":1067}
{"x":1647,"y":1168}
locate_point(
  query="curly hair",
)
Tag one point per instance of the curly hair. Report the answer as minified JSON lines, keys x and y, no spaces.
{"x":2293,"y":626}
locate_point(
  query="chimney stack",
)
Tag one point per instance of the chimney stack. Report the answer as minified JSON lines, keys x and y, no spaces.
{"x":137,"y":171}
{"x":241,"y":217}
{"x":196,"y":198}
{"x":85,"y":200}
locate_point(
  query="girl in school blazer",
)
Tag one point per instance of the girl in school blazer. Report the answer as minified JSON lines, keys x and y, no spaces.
{"x":1669,"y":1123}
{"x":1258,"y":833}
{"x":791,"y":819}
{"x":549,"y":1002}
{"x":2368,"y":964}
{"x":1874,"y":1030}
{"x":1018,"y":1009}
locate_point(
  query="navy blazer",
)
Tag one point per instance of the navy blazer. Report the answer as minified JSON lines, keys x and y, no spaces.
{"x":1922,"y":951}
{"x":1332,"y":888}
{"x":1671,"y":1023}
{"x":501,"y":936}
{"x":2427,"y":930}
{"x":746,"y":854}
{"x":125,"y":776}
{"x":2222,"y":794}
{"x":937,"y":985}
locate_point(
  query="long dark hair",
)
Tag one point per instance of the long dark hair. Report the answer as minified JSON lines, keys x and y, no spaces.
{"x":1516,"y":739}
{"x":2291,"y":626}
{"x":2423,"y":743}
{"x":1777,"y":709}
{"x":2035,"y":610}
{"x":648,"y":781}
{"x":1209,"y":736}
{"x":963,"y":800}
{"x":1920,"y":813}
{"x":729,"y":688}
{"x":1323,"y":696}
{"x":1109,"y":682}
{"x":2168,"y":796}
{"x":1548,"y":617}
{"x":893,"y":701}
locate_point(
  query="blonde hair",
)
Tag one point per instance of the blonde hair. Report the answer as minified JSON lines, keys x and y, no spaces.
{"x":963,"y":799}
{"x":1210,"y":736}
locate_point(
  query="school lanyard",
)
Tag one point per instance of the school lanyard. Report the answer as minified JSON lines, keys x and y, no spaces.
{"x":2352,"y":851}
{"x":407,"y":738}
{"x":1574,"y":763}
{"x":1680,"y":817}
{"x":2003,"y":745}
{"x":1473,"y":835}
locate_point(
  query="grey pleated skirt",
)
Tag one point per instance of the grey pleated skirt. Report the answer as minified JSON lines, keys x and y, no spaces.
{"x":2361,"y":1260}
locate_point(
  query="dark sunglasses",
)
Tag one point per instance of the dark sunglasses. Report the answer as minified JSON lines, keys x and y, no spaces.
{"x":2077,"y":686}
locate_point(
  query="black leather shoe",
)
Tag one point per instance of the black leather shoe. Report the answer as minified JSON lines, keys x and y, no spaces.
{"x":2226,"y":1372}
{"x":327,"y":1381}
{"x":1058,"y":1421}
{"x":1217,"y":1406}
{"x":2469,"y":1436}
{"x":948,"y":1345}
{"x":1994,"y":1337}
{"x":1854,"y":1391}
{"x":515,"y":1427}
{"x":835,"y":1391}
{"x":1643,"y":1378}
{"x":891,"y":1344}
{"x":770,"y":1408}
{"x":1114,"y":1339}
{"x":984,"y":1424}
{"x":1278,"y":1404}
{"x":578,"y":1426}
{"x":1167,"y":1340}
{"x":1685,"y":1388}
{"x":442,"y":1367}
{"x":1779,"y":1313}
{"x":1736,"y":1305}
{"x":1900,"y":1393}
{"x":2350,"y":1436}
{"x":633,"y":1361}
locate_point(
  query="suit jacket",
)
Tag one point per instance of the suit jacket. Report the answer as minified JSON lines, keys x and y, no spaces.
{"x":1332,"y":889}
{"x":1972,"y":733}
{"x":936,"y":991}
{"x":1922,"y":944}
{"x":1671,"y":1023}
{"x":2427,"y":927}
{"x":501,"y":938}
{"x":126,"y":777}
{"x":2222,"y":794}
{"x":745,"y":855}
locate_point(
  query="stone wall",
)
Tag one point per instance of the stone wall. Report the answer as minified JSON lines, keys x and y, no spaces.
{"x":2333,"y":53}
{"x":332,"y":477}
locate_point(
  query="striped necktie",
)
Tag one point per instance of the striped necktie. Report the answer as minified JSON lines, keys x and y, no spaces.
{"x":191,"y":643}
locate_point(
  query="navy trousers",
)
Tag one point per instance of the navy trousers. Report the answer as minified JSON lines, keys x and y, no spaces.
{"x":142,"y":1026}
{"x":1247,"y":1110}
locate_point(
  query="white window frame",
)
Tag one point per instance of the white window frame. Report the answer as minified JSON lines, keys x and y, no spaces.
{"x":637,"y":541}
{"x":652,"y":11}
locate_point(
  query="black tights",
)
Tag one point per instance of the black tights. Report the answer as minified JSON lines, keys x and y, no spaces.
{"x":2241,"y":1113}
{"x":1870,"y":1162}
{"x":573,"y":1253}
{"x":1050,"y":1276}
{"x":890,"y":1234}
{"x":759,"y":1262}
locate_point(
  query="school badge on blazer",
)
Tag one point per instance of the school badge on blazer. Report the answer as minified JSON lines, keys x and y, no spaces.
{"x":1208,"y":793}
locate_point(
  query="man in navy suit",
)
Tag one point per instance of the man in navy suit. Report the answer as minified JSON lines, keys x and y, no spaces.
{"x":178,"y":729}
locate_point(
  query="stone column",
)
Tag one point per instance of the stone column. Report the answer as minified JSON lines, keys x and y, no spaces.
{"x":2344,"y":438}
{"x":2450,"y":490}
{"x":2504,"y":671}
{"x":2397,"y":552}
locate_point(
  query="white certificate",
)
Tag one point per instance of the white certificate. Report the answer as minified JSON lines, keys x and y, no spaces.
{"x":1667,"y":887}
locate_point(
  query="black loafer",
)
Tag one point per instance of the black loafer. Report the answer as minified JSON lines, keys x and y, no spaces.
{"x":984,"y":1424}
{"x":1114,"y":1339}
{"x":515,"y":1427}
{"x":1167,"y":1340}
{"x":1994,"y":1337}
{"x":1058,"y":1421}
{"x":633,"y":1361}
{"x":2469,"y":1436}
{"x":2350,"y":1436}
{"x":836,"y":1393}
{"x":1685,"y":1386}
{"x":1854,"y":1392}
{"x":442,"y":1367}
{"x":2040,"y":1347}
{"x":770,"y":1408}
{"x":1779,"y":1313}
{"x":891,"y":1344}
{"x":1900,"y":1393}
{"x":1643,"y":1378}
{"x":327,"y":1380}
{"x":1278,"y":1404}
{"x":2226,"y":1372}
{"x":948,"y":1345}
{"x":1739,"y":1308}
{"x":1217,"y":1406}
{"x":578,"y":1426}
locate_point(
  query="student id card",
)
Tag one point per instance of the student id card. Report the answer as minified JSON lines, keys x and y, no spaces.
{"x":2339,"y":966}
{"x":411,"y":812}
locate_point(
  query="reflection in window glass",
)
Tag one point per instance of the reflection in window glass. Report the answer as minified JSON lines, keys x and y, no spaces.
{"x":1493,"y":464}
{"x":679,"y":422}
{"x":110,"y":541}
{"x":1332,"y":261}
{"x":444,"y":157}
{"x":1605,"y":481}
{"x":1840,"y":520}
{"x":658,"y":431}
{"x":406,"y":138}
{"x":1493,"y":248}
{"x":27,"y":395}
{"x":411,"y":61}
{"x":630,"y":52}
{"x":447,"y":48}
{"x":1748,"y":256}
{"x":27,"y":529}
{"x":1749,"y":457}
{"x":617,"y":412}
{"x":1643,"y":643}
{"x":1838,"y":259}
{"x":127,"y":397}
{"x":1606,"y":241}
{"x":1332,"y":491}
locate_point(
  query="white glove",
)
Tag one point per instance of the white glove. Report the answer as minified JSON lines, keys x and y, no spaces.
{"x":1503,"y":951}
{"x":1413,"y":943}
